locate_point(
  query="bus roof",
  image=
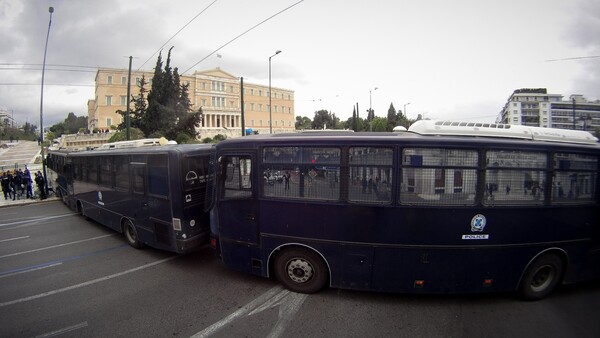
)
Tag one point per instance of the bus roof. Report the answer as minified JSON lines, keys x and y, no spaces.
{"x":454,"y":128}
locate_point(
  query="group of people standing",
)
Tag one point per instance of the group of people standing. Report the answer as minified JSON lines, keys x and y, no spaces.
{"x":18,"y":182}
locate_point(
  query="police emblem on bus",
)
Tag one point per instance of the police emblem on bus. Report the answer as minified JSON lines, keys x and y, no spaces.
{"x":478,"y":223}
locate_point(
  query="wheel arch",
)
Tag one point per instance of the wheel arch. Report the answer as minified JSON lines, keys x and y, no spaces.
{"x":559,"y":252}
{"x":280,"y":248}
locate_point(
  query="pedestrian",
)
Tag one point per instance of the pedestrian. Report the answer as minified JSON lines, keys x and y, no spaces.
{"x":39,"y":180}
{"x":5,"y":186}
{"x":286,"y":180}
{"x":27,"y":183}
{"x":11,"y":187}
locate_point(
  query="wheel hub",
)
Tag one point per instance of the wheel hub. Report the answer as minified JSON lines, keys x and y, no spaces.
{"x":299,"y":270}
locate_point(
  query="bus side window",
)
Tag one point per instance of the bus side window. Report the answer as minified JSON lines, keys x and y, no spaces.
{"x":139,"y":179}
{"x":237,"y":179}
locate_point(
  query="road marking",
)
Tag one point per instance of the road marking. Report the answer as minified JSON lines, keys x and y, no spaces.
{"x":13,"y":239}
{"x":29,"y":270}
{"x":63,"y":330}
{"x":37,"y":220}
{"x":80,"y":285}
{"x":55,"y":246}
{"x":58,"y":262}
{"x":288,"y":302}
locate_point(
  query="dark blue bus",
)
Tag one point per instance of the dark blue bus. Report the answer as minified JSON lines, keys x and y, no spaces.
{"x":446,"y":207}
{"x":154,"y":195}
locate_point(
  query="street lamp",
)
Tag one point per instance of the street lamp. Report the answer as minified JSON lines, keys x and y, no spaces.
{"x":369,"y":116}
{"x":270,"y":114}
{"x":405,"y":114}
{"x":50,"y":10}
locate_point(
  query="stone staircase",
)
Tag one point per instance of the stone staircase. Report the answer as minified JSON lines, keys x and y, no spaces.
{"x":18,"y":154}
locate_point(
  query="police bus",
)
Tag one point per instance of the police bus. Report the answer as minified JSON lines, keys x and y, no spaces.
{"x":444,"y":207}
{"x":153,"y":194}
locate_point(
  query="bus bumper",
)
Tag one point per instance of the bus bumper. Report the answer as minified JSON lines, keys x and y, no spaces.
{"x":192,"y":244}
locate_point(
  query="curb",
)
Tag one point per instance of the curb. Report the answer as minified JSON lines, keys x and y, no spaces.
{"x":18,"y":203}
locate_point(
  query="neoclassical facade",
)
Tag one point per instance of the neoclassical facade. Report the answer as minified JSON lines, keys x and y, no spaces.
{"x":215,"y":91}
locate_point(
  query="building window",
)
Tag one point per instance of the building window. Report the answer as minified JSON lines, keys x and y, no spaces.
{"x":109,"y":80}
{"x":123,"y":100}
{"x":260,"y":107}
{"x":252,"y":92}
{"x":251,"y":106}
{"x":137,"y":81}
{"x":231,"y":104}
{"x":260,"y":93}
{"x":123,"y":80}
{"x":108,"y":122}
{"x":203,"y":102}
{"x":108,"y":100}
{"x":231,"y":89}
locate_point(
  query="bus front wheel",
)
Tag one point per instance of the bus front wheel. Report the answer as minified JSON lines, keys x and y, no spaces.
{"x":131,"y":235}
{"x":301,"y":270}
{"x":541,"y":277}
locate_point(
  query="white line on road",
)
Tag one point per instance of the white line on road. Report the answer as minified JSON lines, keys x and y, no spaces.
{"x":13,"y":239}
{"x":63,"y":330}
{"x":55,"y":246}
{"x":36,"y":220}
{"x":80,"y":285}
{"x":289,"y":303}
{"x":29,"y":270}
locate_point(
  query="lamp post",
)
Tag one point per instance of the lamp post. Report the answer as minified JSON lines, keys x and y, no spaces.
{"x":369,"y":116}
{"x":50,"y":10}
{"x":270,"y":109}
{"x":405,"y":114}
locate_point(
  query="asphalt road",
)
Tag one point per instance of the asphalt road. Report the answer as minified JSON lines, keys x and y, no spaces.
{"x":61,"y":275}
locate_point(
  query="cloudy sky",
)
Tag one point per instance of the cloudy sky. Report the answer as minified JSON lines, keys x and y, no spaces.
{"x":456,"y":60}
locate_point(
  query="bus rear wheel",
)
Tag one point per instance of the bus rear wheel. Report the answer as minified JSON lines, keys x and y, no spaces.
{"x":131,"y":235}
{"x":541,"y":277}
{"x":300,"y":270}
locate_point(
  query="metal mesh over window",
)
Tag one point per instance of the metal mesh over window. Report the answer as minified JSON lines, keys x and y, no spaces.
{"x":432,"y":176}
{"x":370,"y":174}
{"x":575,"y":178}
{"x":515,"y":178}
{"x":302,"y":172}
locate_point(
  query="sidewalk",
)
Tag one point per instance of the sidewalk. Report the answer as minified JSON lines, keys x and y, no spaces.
{"x":24,"y":201}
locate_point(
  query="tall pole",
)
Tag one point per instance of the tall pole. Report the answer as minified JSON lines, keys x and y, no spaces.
{"x":370,"y":116}
{"x":242,"y":105}
{"x":51,"y":10}
{"x":270,"y":108}
{"x":573,"y":113}
{"x":127,"y":118}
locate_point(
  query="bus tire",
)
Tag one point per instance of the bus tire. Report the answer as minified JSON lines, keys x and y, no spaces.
{"x":131,"y":235}
{"x":300,"y":270}
{"x":541,"y":277}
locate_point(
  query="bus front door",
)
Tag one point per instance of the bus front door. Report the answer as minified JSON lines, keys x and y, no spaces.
{"x":238,"y":212}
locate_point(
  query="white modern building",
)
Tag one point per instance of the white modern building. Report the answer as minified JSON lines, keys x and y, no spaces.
{"x":535,"y":107}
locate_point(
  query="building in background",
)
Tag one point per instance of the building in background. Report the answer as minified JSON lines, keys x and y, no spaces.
{"x":535,"y":107}
{"x":215,"y":91}
{"x":7,"y":118}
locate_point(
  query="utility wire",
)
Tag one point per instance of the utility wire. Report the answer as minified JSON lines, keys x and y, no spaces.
{"x":174,"y":35}
{"x":244,"y":33}
{"x":575,"y":58}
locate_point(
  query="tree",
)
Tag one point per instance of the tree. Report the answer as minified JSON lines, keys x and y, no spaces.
{"x":71,"y":125}
{"x":135,"y":134}
{"x":303,"y":122}
{"x":379,"y":124}
{"x":139,"y":108}
{"x":323,"y":119}
{"x":168,"y":111}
